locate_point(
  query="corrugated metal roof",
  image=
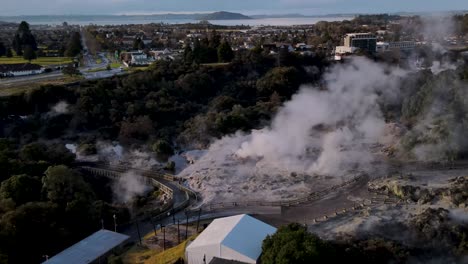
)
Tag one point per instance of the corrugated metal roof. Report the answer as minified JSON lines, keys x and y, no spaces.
{"x":89,"y":249}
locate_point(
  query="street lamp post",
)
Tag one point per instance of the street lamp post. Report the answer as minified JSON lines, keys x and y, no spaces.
{"x":186,"y":225}
{"x":178,"y":231}
{"x":164,"y":236}
{"x":115,"y":223}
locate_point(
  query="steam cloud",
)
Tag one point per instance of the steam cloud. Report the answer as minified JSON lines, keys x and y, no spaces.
{"x":319,"y":132}
{"x":328,"y":132}
{"x":59,"y":109}
{"x":128,"y":186}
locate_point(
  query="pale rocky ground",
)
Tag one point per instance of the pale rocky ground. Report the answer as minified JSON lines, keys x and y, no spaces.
{"x":221,"y":176}
{"x":368,"y":219}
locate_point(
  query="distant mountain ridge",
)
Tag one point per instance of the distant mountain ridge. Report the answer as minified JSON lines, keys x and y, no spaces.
{"x":222,"y":15}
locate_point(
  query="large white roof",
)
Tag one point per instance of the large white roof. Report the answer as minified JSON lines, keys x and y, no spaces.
{"x":242,"y":233}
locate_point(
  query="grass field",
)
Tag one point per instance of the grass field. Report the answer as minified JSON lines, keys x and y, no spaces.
{"x":112,"y":65}
{"x":28,"y":86}
{"x":44,"y":61}
{"x":216,"y":64}
{"x":144,"y":255}
{"x":115,"y":65}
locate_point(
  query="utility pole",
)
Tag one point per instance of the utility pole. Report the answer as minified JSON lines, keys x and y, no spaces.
{"x":115,"y":223}
{"x":102,"y":223}
{"x":186,"y":225}
{"x":138,"y":230}
{"x":164,"y":237}
{"x":152,"y":223}
{"x":198,"y":220}
{"x":178,"y":232}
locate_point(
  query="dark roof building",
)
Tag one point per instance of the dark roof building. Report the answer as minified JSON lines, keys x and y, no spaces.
{"x":18,"y":67}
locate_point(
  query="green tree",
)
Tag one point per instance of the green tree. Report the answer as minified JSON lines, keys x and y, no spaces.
{"x":24,"y":38}
{"x":162,"y":147}
{"x":215,"y":39}
{"x":74,"y":46}
{"x":2,"y":49}
{"x":9,"y":54}
{"x":33,"y":226}
{"x":225,"y":53}
{"x":17,"y":45}
{"x":29,"y":53}
{"x":71,"y":70}
{"x":64,"y":186}
{"x":188,"y":54}
{"x":138,"y":44}
{"x":283,"y":80}
{"x":21,"y":189}
{"x":33,"y":152}
{"x":293,"y":244}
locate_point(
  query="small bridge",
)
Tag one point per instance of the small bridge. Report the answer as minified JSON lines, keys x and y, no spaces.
{"x":179,"y":195}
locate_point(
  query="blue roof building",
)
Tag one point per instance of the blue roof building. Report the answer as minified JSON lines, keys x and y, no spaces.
{"x":90,"y":249}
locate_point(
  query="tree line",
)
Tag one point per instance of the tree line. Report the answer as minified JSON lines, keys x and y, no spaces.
{"x":24,"y":44}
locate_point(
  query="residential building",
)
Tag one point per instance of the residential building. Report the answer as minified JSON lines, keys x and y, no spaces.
{"x":136,"y":58}
{"x":165,"y":54}
{"x":237,"y":238}
{"x":20,"y":69}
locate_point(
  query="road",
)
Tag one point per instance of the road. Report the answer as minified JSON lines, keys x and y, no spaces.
{"x":8,"y":82}
{"x":90,"y":63}
{"x":90,"y":70}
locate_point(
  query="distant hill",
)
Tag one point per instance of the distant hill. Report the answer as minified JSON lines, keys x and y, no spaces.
{"x":223,"y":16}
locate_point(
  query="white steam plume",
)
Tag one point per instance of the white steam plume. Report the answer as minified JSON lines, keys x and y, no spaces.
{"x":319,"y":132}
{"x":128,"y":186}
{"x":328,"y":132}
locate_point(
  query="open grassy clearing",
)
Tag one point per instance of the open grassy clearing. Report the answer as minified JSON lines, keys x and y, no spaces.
{"x":22,"y":87}
{"x":44,"y":61}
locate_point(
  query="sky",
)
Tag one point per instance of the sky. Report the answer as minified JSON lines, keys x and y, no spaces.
{"x":249,"y":7}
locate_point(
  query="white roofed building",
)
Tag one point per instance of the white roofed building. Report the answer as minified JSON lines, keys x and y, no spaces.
{"x":236,"y":238}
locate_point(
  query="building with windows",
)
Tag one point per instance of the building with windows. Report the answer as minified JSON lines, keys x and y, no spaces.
{"x":354,"y":42}
{"x":403,"y":46}
{"x":363,"y":41}
{"x":136,"y":58}
{"x":20,"y":69}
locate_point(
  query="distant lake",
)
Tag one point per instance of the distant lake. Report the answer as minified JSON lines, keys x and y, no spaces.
{"x":136,"y":20}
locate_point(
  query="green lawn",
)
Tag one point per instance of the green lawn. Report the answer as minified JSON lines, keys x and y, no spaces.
{"x":216,"y":64}
{"x":23,"y":87}
{"x":44,"y":61}
{"x":112,"y":65}
{"x":115,"y":65}
{"x":97,"y":70}
{"x":144,"y":255}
